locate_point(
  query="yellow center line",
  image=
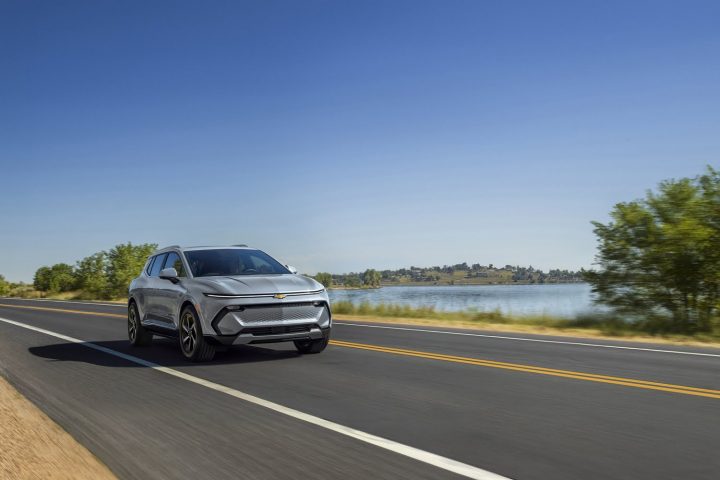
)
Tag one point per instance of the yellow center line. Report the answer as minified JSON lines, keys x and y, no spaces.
{"x":590,"y":377}
{"x":64,"y":310}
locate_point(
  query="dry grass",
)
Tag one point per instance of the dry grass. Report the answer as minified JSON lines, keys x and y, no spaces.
{"x":590,"y":333}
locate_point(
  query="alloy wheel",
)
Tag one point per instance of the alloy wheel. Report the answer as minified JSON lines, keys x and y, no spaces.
{"x":188,"y":332}
{"x":132,"y":324}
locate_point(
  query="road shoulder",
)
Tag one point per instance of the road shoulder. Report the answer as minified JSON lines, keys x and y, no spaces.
{"x":33,"y":446}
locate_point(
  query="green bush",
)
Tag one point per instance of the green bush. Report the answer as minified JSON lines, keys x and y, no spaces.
{"x":92,"y":276}
{"x":4,"y":286}
{"x":324,"y":278}
{"x":58,"y":278}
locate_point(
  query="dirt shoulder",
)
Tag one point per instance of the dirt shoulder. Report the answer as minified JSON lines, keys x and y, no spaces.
{"x":529,"y":329}
{"x":35,"y":447}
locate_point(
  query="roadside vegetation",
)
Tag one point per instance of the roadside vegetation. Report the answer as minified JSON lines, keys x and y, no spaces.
{"x":594,"y":324}
{"x":4,"y":286}
{"x":101,"y":276}
{"x":659,"y":258}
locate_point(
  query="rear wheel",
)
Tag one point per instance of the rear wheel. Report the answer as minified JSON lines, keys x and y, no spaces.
{"x":192,"y":343}
{"x":138,"y":335}
{"x":313,"y":346}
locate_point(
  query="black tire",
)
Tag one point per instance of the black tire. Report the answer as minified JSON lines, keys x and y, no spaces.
{"x":139,"y":336}
{"x":313,"y":346}
{"x":190,"y":338}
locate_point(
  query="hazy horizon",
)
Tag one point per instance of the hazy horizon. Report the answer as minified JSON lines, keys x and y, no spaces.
{"x":339,"y":137}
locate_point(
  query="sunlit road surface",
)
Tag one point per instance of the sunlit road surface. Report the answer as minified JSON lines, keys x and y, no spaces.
{"x":378,"y":403}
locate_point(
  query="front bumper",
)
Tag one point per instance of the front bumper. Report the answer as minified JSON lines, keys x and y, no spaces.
{"x":312,"y":333}
{"x":260,"y":320}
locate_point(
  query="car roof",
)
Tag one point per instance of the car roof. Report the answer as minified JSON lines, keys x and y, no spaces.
{"x":209,"y":247}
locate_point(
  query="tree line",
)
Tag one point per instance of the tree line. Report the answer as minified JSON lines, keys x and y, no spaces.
{"x":506,"y":274}
{"x":369,"y":279}
{"x":102,"y":275}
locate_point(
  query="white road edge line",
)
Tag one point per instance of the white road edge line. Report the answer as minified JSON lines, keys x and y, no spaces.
{"x":420,"y":455}
{"x":521,"y":339}
{"x":467,"y":334}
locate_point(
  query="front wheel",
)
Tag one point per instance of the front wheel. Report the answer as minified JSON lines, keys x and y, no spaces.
{"x":138,"y":335}
{"x":192,"y":343}
{"x":313,"y":346}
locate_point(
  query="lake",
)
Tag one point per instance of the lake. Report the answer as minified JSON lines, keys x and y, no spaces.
{"x":562,"y":300}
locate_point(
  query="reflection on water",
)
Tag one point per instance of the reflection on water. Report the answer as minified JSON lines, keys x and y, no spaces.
{"x":563,"y":300}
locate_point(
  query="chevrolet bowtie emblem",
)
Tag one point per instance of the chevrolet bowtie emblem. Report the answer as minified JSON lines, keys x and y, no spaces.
{"x":279,"y":296}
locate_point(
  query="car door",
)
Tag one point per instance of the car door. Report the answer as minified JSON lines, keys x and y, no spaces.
{"x":169,"y":293}
{"x":153,"y":313}
{"x":141,"y":288}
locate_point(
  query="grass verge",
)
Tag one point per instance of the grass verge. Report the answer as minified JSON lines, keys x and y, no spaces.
{"x":590,"y":326}
{"x":30,"y":293}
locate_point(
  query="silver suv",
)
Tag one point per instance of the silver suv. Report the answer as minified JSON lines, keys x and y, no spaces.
{"x":214,"y":297}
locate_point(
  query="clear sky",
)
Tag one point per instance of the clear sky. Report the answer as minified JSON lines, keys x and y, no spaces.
{"x":342,"y":135}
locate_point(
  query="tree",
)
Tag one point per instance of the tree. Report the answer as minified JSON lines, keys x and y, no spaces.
{"x":371,"y":278}
{"x":58,"y":278}
{"x":324,"y":278}
{"x":62,"y":277}
{"x":4,"y":286}
{"x":91,"y":275}
{"x":125,"y":261}
{"x":659,"y":257}
{"x":41,"y":280}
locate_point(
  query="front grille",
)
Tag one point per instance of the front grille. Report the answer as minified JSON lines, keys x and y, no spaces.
{"x":278,"y":330}
{"x":259,"y":314}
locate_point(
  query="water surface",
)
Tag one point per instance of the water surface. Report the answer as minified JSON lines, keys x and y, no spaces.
{"x":563,"y":300}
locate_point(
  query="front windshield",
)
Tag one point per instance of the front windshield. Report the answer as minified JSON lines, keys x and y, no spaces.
{"x":232,"y":261}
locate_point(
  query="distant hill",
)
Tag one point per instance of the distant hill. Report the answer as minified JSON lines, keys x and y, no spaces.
{"x":462,"y":274}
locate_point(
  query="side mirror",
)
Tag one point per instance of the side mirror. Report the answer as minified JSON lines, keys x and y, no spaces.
{"x":169,"y":274}
{"x":291,"y":268}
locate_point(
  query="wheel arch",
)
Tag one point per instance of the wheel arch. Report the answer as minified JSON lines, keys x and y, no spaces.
{"x":187,"y":302}
{"x":133,"y":301}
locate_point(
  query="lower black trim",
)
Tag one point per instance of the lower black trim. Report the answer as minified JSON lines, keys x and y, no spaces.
{"x":225,"y":340}
{"x":278,"y":330}
{"x":270,"y":340}
{"x":162,"y":331}
{"x":228,"y":340}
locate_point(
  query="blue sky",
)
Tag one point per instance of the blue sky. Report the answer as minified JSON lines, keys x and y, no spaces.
{"x":343,"y":135}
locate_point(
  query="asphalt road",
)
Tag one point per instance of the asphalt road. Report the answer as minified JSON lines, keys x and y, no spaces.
{"x":519,"y":406}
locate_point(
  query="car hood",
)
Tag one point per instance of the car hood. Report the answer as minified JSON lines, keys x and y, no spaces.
{"x":257,"y":284}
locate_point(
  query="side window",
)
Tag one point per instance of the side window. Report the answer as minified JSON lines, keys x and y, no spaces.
{"x":149,"y":265}
{"x":173,"y":261}
{"x":157,"y":265}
